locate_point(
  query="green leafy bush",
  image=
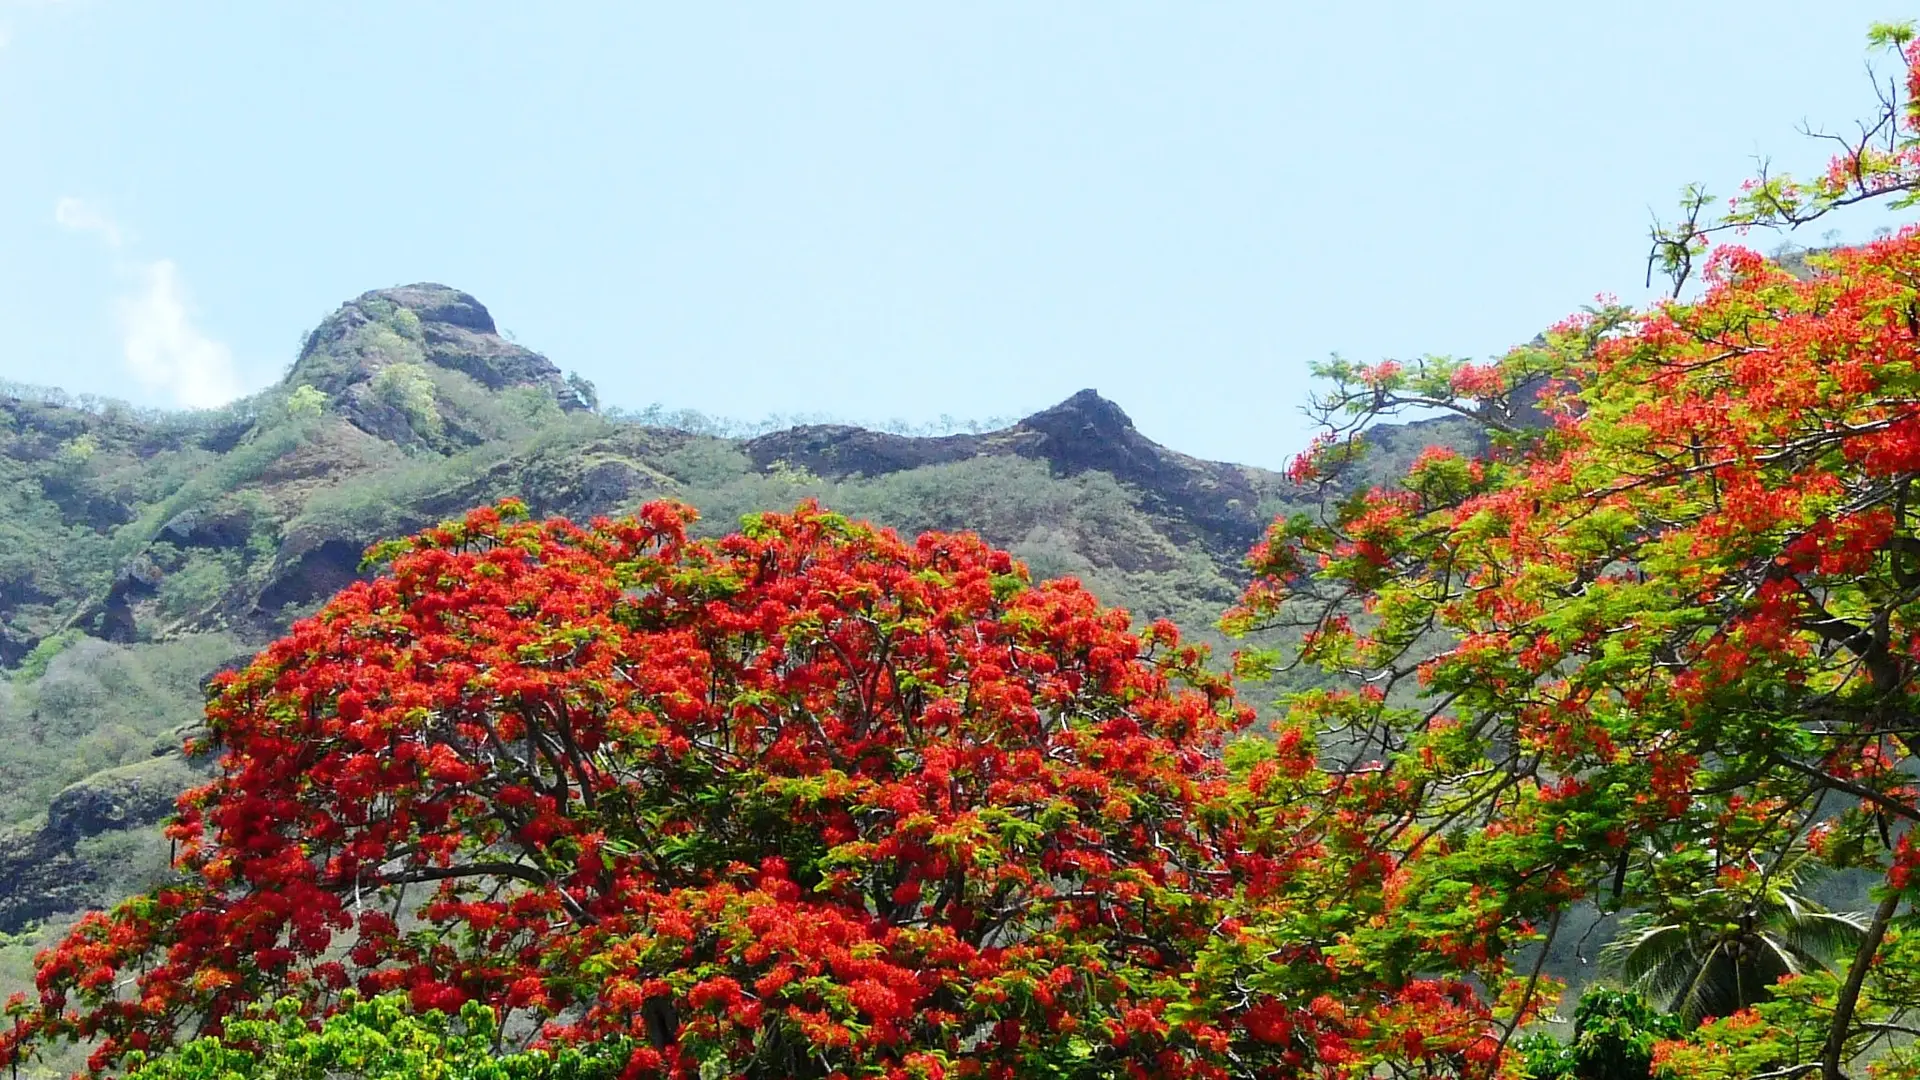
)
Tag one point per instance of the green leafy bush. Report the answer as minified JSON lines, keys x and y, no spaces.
{"x":380,"y":1039}
{"x":1613,"y":1036}
{"x":407,"y":386}
{"x":199,"y":584}
{"x":305,"y":401}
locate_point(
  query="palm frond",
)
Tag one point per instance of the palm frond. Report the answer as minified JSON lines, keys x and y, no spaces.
{"x":1714,"y":990}
{"x":1709,"y":969}
{"x":1828,"y":935}
{"x":1657,"y":958}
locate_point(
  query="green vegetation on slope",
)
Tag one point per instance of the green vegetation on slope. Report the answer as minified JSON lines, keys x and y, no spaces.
{"x":98,"y":706}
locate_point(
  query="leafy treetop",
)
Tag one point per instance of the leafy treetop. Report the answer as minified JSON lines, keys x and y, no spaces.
{"x":803,"y":800}
{"x":1881,"y":160}
{"x":1652,"y":650}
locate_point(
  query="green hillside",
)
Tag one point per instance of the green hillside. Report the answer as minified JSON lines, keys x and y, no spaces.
{"x":140,"y":552}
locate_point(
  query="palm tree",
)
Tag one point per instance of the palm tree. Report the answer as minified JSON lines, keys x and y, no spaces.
{"x":1716,"y":966}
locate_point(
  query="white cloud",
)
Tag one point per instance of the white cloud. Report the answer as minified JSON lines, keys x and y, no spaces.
{"x":80,"y":216}
{"x":163,"y":348}
{"x":166,"y":351}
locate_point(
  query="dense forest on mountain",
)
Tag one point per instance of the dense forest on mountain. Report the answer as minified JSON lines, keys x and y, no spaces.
{"x":422,"y":716}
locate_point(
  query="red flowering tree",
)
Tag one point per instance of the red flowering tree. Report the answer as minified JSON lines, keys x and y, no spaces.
{"x":1656,"y":644}
{"x":1880,"y":161}
{"x":805,"y":801}
{"x":1648,"y":653}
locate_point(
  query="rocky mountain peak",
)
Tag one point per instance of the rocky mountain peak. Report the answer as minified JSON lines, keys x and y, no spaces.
{"x":439,"y":304}
{"x":417,"y":328}
{"x":1084,"y":414}
{"x":1087,"y":431}
{"x":1211,"y":504}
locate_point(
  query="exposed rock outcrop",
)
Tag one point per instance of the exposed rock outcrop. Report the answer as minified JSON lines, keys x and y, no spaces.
{"x":422,"y":324}
{"x":48,"y":870}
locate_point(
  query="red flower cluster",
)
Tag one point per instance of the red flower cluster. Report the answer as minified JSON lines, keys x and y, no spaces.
{"x":1610,"y":653}
{"x":807,"y":794}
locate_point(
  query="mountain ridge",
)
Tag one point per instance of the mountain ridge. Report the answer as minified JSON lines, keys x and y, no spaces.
{"x":142,"y":551}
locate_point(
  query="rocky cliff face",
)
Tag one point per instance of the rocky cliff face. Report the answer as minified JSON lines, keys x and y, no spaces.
{"x":352,"y":356}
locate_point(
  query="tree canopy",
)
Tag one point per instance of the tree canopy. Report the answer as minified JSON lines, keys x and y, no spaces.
{"x":804,"y":798}
{"x":803,"y":801}
{"x":1664,"y":636}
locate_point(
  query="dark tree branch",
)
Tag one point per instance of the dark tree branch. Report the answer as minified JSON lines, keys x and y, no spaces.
{"x":1850,"y":993}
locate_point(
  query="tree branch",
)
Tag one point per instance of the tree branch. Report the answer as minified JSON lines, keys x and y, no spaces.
{"x":1850,"y":993}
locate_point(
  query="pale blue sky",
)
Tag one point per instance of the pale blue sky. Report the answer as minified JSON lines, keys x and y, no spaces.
{"x":875,"y":210}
